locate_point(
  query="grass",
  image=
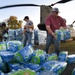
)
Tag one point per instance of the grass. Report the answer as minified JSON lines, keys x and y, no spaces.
{"x":67,"y":46}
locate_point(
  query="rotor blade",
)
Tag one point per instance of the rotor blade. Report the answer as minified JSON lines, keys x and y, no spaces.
{"x":18,"y":5}
{"x":73,"y":22}
{"x":61,"y":1}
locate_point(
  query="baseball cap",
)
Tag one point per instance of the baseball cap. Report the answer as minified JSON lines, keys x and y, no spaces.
{"x":55,"y":9}
{"x":26,"y":17}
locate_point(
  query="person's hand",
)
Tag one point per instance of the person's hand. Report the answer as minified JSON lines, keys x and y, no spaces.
{"x":24,"y":31}
{"x":53,"y":34}
{"x":27,"y":26}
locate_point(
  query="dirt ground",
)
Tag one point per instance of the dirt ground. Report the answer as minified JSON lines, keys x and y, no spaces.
{"x":67,"y":46}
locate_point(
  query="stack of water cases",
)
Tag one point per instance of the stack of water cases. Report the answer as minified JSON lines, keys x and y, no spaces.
{"x":62,"y":35}
{"x":18,"y":60}
{"x":36,"y":37}
{"x":15,"y":34}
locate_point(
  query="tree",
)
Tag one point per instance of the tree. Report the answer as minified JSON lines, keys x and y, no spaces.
{"x":13,"y":23}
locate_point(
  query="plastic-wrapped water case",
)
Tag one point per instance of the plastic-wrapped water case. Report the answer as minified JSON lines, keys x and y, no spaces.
{"x":55,"y":66}
{"x":29,"y":72}
{"x":14,"y":46}
{"x":1,"y":73}
{"x":1,"y":63}
{"x":58,"y":68}
{"x":62,"y":34}
{"x":15,"y":34}
{"x":52,"y":56}
{"x":73,"y":72}
{"x":6,"y":56}
{"x":63,"y":56}
{"x":47,"y":65}
{"x":71,"y":58}
{"x":24,"y":72}
{"x":39,"y":57}
{"x":0,"y":59}
{"x":16,"y":42}
{"x":32,"y":66}
{"x":40,"y":52}
{"x":19,"y":72}
{"x":18,"y":57}
{"x":46,"y":73}
{"x":67,"y":34}
{"x":24,"y":54}
{"x":16,"y":66}
{"x":58,"y":35}
{"x":3,"y":46}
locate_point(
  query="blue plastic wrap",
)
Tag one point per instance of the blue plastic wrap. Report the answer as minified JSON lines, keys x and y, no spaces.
{"x":55,"y":66}
{"x":63,"y":56}
{"x":73,"y":72}
{"x":39,"y":57}
{"x":24,"y":54}
{"x":6,"y":56}
{"x":52,"y":56}
{"x":15,"y":34}
{"x":67,"y":34}
{"x":32,"y":66}
{"x":1,"y":65}
{"x":3,"y":46}
{"x":15,"y":66}
{"x":71,"y":58}
{"x":14,"y":46}
{"x":46,"y":73}
{"x":47,"y":65}
{"x":62,"y":34}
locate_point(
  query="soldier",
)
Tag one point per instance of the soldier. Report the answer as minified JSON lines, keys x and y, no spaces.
{"x":5,"y":31}
{"x":2,"y":28}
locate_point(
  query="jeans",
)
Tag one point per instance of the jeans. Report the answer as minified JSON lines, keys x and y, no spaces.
{"x":28,"y":38}
{"x":49,"y":41}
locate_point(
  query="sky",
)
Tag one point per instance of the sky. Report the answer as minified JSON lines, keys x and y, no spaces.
{"x":67,"y":10}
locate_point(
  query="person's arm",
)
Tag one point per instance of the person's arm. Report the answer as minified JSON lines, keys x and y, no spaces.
{"x":48,"y":23}
{"x":63,"y":23}
{"x":30,"y":26}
